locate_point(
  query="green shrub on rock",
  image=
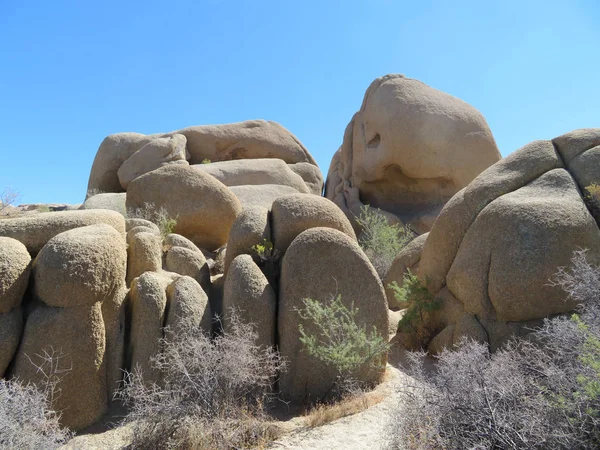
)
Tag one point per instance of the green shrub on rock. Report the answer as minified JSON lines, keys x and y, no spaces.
{"x":381,"y":241}
{"x":339,"y":341}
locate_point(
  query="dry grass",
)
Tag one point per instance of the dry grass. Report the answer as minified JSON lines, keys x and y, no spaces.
{"x":325,"y":413}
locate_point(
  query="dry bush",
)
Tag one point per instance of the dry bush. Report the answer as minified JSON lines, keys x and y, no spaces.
{"x":159,"y":216}
{"x":541,"y":392}
{"x":213,"y":392}
{"x":27,"y":420}
{"x":324,"y":413}
{"x":381,"y":241}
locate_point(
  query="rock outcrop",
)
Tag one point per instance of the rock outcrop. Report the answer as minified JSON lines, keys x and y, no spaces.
{"x":34,"y":231}
{"x":203,"y":207}
{"x":293,"y":214}
{"x":75,"y":273}
{"x":320,"y":264}
{"x":408,"y":150}
{"x":498,"y":242}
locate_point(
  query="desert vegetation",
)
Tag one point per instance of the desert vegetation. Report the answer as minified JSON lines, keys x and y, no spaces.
{"x":27,"y":419}
{"x":159,"y":216}
{"x":213,"y":394}
{"x":538,"y":392}
{"x":381,"y":241}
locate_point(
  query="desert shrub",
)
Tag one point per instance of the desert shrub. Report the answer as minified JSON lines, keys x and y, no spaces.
{"x":159,"y":216}
{"x":206,"y":161}
{"x":420,"y":303}
{"x":212,"y":395}
{"x":381,"y":241}
{"x":539,"y":392}
{"x":43,"y":209}
{"x":27,"y":419}
{"x":340,"y":342}
{"x":265,"y":251}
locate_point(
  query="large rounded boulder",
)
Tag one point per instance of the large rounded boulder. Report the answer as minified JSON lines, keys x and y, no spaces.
{"x":249,"y":297}
{"x":293,"y":214}
{"x":203,"y":207}
{"x":408,"y":150}
{"x":34,"y":231}
{"x":14,"y":273}
{"x":320,"y":264}
{"x":75,"y":275}
{"x":497,"y":244}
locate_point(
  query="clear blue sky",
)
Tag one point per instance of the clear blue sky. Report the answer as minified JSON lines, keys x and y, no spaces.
{"x":72,"y":72}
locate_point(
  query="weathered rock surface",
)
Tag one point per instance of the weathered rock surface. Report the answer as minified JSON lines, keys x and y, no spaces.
{"x":14,"y":273}
{"x":191,"y":263}
{"x":157,"y":153}
{"x":250,"y":228}
{"x":293,"y":214}
{"x":81,"y":266}
{"x":255,"y":172}
{"x":112,"y":201}
{"x":311,"y":175}
{"x":124,"y":156}
{"x":148,"y":303}
{"x":205,"y":208}
{"x":187,"y":303}
{"x":35,"y":231}
{"x":77,"y":335}
{"x":79,"y":282}
{"x":249,"y":296}
{"x":262,"y":196}
{"x":320,"y":264}
{"x":144,"y":250}
{"x":408,"y":150}
{"x":244,"y":140}
{"x":113,"y":151}
{"x":499,"y":241}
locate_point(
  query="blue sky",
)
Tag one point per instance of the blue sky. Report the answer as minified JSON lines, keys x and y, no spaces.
{"x":72,"y":72}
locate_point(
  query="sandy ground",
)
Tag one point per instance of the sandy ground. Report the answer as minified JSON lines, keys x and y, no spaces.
{"x":365,"y":430}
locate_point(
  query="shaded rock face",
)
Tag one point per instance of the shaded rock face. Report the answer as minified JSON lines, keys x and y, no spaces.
{"x":408,"y":150}
{"x":497,"y":243}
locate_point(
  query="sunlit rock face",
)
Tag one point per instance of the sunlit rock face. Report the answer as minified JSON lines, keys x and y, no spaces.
{"x":408,"y":150}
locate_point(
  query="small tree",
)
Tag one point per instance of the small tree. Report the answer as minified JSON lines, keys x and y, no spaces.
{"x":381,"y":241}
{"x":7,"y":198}
{"x":339,"y":341}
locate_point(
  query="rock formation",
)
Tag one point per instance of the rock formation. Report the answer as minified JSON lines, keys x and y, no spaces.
{"x":497,"y":243}
{"x":407,"y":151}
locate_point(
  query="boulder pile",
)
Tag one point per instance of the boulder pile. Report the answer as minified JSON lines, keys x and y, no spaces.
{"x":211,"y":224}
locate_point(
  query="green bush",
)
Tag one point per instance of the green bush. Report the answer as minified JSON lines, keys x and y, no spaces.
{"x":339,"y":341}
{"x":206,"y":161}
{"x":381,"y":241}
{"x":420,"y":302}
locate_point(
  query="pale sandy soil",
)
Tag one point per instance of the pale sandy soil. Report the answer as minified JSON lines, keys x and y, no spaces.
{"x":365,"y":430}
